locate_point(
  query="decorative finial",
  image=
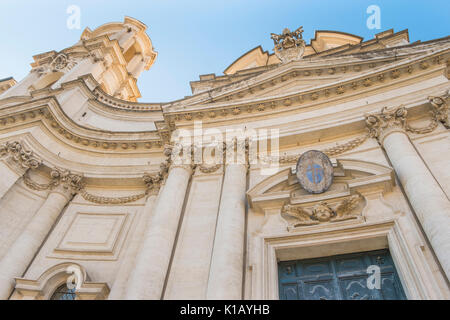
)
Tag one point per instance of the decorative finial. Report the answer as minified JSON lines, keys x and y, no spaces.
{"x":289,"y":46}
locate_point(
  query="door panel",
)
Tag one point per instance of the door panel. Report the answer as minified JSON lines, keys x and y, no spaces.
{"x":342,"y":277}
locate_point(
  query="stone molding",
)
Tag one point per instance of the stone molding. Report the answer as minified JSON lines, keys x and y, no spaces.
{"x":339,"y":239}
{"x":44,"y":114}
{"x":43,"y":287}
{"x":361,"y":81}
{"x":270,"y":105}
{"x":228,"y":111}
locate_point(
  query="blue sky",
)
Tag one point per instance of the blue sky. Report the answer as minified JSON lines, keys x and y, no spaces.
{"x":201,"y":36}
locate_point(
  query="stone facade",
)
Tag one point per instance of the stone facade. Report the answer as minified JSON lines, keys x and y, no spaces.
{"x":91,"y":189}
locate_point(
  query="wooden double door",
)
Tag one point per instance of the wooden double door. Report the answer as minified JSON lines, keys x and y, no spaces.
{"x":341,"y":277}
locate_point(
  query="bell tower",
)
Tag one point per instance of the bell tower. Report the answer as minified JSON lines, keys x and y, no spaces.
{"x":114,"y":53}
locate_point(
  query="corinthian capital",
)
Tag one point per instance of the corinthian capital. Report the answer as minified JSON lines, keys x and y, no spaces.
{"x":69,"y":182}
{"x":18,"y":156}
{"x":440,"y":108}
{"x":237,"y":151}
{"x":387,"y":121}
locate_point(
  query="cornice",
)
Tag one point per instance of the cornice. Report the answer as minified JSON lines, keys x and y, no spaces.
{"x":370,"y":80}
{"x":92,"y":88}
{"x":309,"y":66}
{"x":50,"y":114}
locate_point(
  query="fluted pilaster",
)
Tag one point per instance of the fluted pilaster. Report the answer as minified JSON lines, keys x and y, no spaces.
{"x":226,"y":273}
{"x":152,"y":263}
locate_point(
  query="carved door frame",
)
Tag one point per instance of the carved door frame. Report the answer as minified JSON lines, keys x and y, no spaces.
{"x":414,"y":272}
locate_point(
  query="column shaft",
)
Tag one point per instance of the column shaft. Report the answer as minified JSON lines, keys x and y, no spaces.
{"x":148,"y":277}
{"x":20,"y":254}
{"x":9,"y":178}
{"x":425,"y":195}
{"x":226,"y":273}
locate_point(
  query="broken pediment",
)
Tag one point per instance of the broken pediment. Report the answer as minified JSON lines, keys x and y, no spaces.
{"x":351,"y":177}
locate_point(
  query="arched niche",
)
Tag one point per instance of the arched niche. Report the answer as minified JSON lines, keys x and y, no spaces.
{"x":45,"y":285}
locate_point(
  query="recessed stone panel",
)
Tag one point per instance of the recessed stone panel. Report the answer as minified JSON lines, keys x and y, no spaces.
{"x":93,"y":232}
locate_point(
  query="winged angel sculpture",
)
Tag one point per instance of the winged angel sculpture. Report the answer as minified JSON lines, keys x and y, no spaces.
{"x":323,"y":212}
{"x":289,"y":46}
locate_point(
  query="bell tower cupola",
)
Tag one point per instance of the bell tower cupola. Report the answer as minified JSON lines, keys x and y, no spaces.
{"x":115,"y":54}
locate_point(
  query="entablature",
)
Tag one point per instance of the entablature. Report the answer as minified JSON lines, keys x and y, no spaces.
{"x":339,"y":65}
{"x":373,"y":80}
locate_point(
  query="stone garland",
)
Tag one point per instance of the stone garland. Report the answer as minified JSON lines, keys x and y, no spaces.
{"x":377,"y":122}
{"x":74,"y":182}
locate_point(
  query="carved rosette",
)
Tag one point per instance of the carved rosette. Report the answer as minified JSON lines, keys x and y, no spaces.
{"x":387,"y":121}
{"x":17,"y":155}
{"x":323,"y":212}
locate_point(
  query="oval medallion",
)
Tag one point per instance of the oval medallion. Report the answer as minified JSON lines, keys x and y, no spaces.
{"x":314,"y":171}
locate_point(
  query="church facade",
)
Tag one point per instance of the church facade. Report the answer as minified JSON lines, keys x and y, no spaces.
{"x":319,"y":171}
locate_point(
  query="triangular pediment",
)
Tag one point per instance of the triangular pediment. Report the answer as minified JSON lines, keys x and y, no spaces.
{"x":262,"y":85}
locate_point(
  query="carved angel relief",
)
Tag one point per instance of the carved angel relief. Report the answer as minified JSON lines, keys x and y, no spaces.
{"x":349,"y":208}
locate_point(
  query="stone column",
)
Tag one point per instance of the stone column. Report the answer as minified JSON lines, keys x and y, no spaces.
{"x":126,"y":267}
{"x":20,"y":254}
{"x":148,"y":277}
{"x":430,"y":203}
{"x":226,"y":272}
{"x":16,"y":161}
